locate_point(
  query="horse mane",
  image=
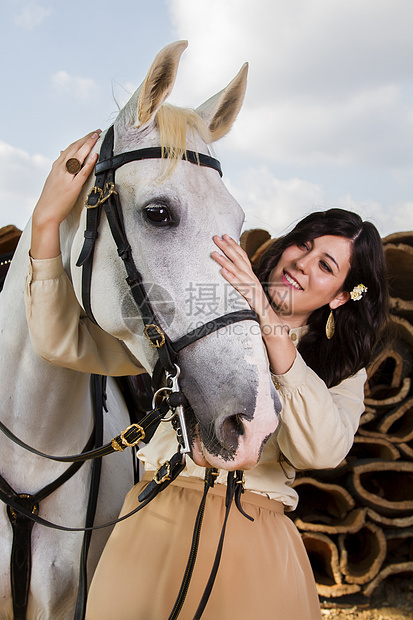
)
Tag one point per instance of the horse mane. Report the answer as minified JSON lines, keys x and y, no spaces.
{"x":173,"y":124}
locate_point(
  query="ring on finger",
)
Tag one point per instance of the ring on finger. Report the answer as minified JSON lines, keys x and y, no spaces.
{"x":73,"y":165}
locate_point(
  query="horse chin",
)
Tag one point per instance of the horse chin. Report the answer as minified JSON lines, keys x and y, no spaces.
{"x":219,"y":457}
{"x":197,"y":453}
{"x":201,"y":457}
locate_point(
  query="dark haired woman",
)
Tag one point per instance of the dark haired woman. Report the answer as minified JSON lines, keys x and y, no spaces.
{"x":308,"y":276}
{"x":322,"y":304}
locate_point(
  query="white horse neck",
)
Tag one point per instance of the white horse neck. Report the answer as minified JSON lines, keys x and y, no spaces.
{"x":46,"y":406}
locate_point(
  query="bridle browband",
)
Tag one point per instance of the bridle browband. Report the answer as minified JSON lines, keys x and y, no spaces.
{"x":104,"y":195}
{"x":155,"y":152}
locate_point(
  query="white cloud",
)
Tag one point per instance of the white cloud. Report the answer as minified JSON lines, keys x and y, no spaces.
{"x":328,"y":81}
{"x":395,"y":217}
{"x":21,"y":181}
{"x":371,"y":128}
{"x":300,"y":46}
{"x":31,"y":15}
{"x":275,"y":205}
{"x":81,"y":88}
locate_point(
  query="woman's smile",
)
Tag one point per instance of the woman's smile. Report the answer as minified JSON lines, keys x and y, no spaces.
{"x":289,"y":280}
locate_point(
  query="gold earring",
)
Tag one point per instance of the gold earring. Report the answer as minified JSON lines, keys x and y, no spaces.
{"x":330,"y":326}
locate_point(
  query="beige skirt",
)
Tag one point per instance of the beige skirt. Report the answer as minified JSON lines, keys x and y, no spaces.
{"x":264,"y":572}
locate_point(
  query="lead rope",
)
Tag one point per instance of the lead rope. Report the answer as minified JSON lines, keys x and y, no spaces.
{"x":234,"y":490}
{"x":210,"y":475}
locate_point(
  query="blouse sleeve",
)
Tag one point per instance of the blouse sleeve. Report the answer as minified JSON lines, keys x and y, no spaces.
{"x":60,"y":333}
{"x":317,"y":424}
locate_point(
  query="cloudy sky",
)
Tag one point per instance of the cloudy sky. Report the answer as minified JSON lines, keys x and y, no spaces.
{"x":327,"y":120}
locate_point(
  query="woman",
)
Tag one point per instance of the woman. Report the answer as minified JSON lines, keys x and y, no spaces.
{"x":321,"y":297}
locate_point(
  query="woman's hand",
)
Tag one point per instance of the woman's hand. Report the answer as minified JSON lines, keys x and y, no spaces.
{"x":59,"y":195}
{"x":237,"y":270}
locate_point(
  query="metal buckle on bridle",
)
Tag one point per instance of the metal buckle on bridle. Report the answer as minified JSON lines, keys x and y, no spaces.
{"x":128,"y":444}
{"x":94,"y":190}
{"x":241,"y":480}
{"x":152,"y":337}
{"x":165,"y":476}
{"x":141,"y":437}
{"x":108,"y":190}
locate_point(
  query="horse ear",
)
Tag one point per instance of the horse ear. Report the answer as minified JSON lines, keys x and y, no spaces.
{"x":156,"y":87}
{"x":220,"y":111}
{"x":160,"y":80}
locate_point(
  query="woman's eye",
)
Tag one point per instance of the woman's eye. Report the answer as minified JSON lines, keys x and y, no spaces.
{"x":326,"y":266}
{"x":158,"y":215}
{"x":305,"y":245}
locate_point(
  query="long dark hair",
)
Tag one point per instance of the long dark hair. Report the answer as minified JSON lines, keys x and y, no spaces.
{"x":358,"y":324}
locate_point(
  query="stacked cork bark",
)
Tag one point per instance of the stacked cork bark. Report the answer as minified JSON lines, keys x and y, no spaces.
{"x":9,"y":237}
{"x":356,"y":521}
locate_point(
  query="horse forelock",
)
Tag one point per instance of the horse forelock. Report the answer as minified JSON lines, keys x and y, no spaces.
{"x":175,"y":125}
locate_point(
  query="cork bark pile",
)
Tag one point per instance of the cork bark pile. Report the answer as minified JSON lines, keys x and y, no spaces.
{"x":356,"y":521}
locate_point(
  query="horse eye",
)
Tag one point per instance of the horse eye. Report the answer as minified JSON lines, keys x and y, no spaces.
{"x":158,"y":215}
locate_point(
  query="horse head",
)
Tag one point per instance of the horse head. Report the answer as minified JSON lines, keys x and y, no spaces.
{"x":171,"y":210}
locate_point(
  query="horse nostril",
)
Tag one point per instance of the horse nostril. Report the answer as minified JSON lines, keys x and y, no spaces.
{"x":231,"y":428}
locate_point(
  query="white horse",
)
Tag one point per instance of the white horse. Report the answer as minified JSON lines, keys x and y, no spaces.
{"x":170,"y":215}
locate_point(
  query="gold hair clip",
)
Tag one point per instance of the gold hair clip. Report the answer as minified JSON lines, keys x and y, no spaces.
{"x":358,"y":292}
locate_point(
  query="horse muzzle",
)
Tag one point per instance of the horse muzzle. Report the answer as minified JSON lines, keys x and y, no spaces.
{"x":234,"y":412}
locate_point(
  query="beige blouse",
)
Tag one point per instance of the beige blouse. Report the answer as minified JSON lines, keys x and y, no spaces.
{"x":317,"y":424}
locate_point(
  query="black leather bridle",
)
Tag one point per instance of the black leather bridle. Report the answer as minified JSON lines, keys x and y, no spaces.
{"x":104,"y":195}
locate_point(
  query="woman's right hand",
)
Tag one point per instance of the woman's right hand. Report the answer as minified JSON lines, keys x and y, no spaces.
{"x":237,"y":270}
{"x":59,"y":195}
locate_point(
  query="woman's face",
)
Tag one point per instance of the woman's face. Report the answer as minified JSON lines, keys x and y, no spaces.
{"x":309,"y":276}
